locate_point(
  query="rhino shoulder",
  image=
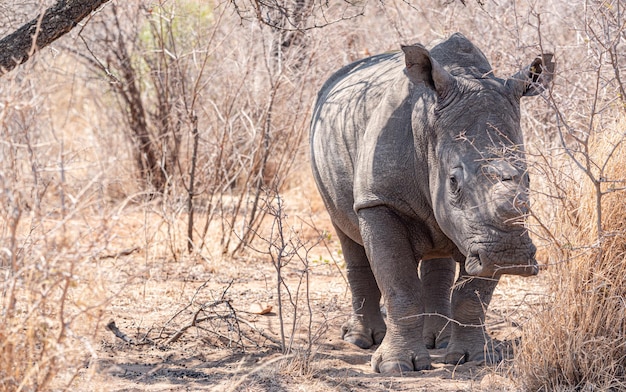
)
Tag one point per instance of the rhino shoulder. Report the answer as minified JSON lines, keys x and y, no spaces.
{"x":387,"y":154}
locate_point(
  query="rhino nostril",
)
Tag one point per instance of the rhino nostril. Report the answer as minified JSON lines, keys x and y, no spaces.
{"x":510,"y":176}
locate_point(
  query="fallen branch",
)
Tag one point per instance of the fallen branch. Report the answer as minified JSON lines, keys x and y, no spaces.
{"x":194,"y":322}
{"x":263,"y":334}
{"x":117,"y":255}
{"x":119,"y":334}
{"x":127,"y":339}
{"x":204,"y":312}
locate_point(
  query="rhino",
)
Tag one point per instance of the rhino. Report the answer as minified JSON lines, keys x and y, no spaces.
{"x":419,"y":158}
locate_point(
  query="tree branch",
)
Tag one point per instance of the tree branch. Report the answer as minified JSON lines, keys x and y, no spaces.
{"x":17,"y":47}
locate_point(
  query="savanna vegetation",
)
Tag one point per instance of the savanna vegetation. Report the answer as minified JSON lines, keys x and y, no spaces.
{"x":156,"y":201}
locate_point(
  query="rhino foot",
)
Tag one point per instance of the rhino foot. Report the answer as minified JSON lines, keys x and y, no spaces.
{"x":436,"y":341}
{"x":436,"y":332}
{"x":354,"y":331}
{"x":397,"y":361}
{"x":486,"y":353}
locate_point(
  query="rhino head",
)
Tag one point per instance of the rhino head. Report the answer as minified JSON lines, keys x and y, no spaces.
{"x":478,"y":180}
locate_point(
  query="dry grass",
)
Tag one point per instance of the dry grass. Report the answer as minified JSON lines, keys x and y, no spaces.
{"x":51,"y":234}
{"x":576,"y":341}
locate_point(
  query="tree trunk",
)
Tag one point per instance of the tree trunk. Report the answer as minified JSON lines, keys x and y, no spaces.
{"x":17,"y":47}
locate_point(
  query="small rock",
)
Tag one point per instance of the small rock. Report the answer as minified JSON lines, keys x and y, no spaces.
{"x":260,"y":308}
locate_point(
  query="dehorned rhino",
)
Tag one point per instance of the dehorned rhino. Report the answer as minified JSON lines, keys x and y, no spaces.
{"x":419,"y":158}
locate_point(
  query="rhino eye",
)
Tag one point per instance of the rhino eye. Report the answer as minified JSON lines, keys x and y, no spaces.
{"x":454,"y":183}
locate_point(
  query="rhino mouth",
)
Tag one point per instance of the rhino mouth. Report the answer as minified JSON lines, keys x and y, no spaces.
{"x":484,"y":265}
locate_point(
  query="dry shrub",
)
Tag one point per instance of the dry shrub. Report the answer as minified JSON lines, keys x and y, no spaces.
{"x":223,"y":106}
{"x":576,"y":341}
{"x":53,"y":231}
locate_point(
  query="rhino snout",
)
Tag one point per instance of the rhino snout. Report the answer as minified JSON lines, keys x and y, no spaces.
{"x":485,"y":264}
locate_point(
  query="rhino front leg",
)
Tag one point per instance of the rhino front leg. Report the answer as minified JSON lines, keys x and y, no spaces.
{"x":390,"y":251}
{"x":437,"y":277}
{"x":366,"y":326}
{"x":469,"y":340}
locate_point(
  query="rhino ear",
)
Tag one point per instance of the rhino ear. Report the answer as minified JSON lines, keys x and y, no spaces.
{"x":421,"y":68}
{"x":535,"y":78}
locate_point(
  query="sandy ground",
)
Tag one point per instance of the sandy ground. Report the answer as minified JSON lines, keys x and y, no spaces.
{"x":195,"y":325}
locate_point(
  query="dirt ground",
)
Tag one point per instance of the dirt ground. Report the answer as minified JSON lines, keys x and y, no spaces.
{"x":213,"y":324}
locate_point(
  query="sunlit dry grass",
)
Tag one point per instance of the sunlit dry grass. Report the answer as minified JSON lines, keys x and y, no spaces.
{"x":576,"y":340}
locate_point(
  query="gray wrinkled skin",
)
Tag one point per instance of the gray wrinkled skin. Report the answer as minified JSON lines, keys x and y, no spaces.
{"x":419,"y":158}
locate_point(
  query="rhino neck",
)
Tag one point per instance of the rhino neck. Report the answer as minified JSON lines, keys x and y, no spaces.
{"x":424,"y":141}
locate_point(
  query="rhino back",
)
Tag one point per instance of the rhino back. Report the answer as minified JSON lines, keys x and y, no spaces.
{"x":343,"y":109}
